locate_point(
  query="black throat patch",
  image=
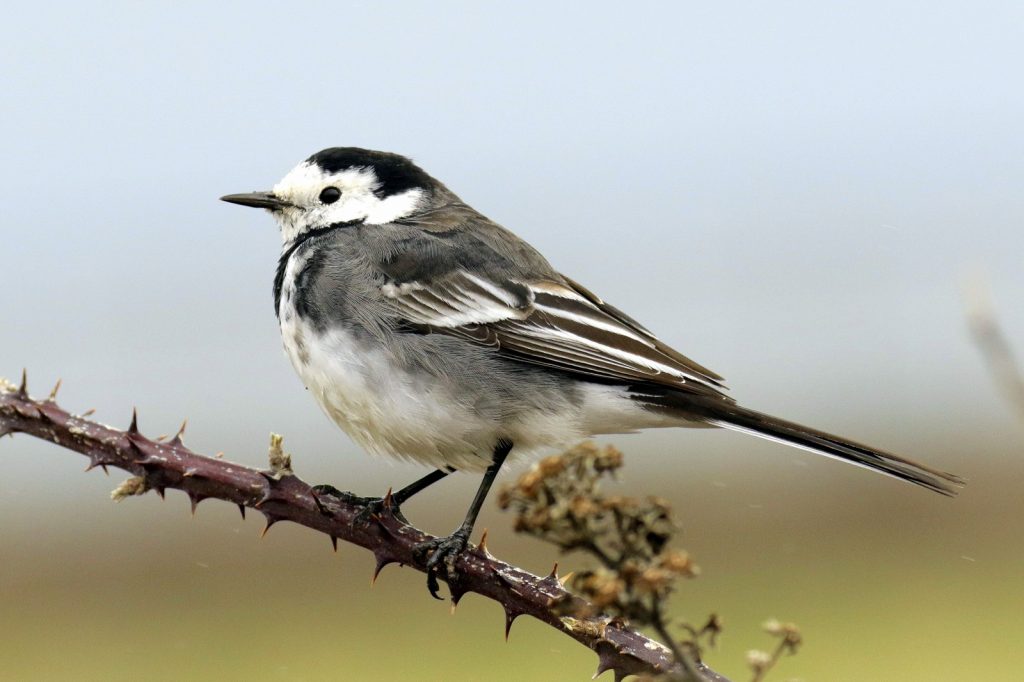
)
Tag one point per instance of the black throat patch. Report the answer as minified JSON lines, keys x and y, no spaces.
{"x":282,"y":262}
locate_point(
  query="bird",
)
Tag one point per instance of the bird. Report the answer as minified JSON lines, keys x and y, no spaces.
{"x":429,"y":332}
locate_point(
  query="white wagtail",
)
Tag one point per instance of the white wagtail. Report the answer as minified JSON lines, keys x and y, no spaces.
{"x":428,"y":332}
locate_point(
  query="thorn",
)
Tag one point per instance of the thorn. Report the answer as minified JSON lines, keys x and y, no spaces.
{"x":270,"y":522}
{"x":162,"y":492}
{"x":565,"y":578}
{"x":88,"y":413}
{"x":510,"y":617}
{"x":23,"y":389}
{"x":219,"y":454}
{"x":94,"y":461}
{"x":334,"y":543}
{"x":483,"y":543}
{"x":161,"y":438}
{"x":181,"y":432}
{"x":554,"y":573}
{"x":388,"y":501}
{"x":376,"y":571}
{"x":383,"y":527}
{"x":241,"y":508}
{"x":382,"y":561}
{"x":456,"y":590}
{"x":133,"y":428}
{"x":271,"y":493}
{"x":455,"y":605}
{"x":53,"y":392}
{"x":606,"y":653}
{"x":190,"y":472}
{"x":319,"y":505}
{"x":195,"y":499}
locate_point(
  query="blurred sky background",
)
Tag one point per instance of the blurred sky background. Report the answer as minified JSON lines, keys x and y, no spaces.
{"x":792,"y":193}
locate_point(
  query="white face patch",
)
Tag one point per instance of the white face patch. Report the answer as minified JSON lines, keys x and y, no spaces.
{"x":303,"y":185}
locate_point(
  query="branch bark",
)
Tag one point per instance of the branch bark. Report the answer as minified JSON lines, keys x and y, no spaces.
{"x":281,"y":496}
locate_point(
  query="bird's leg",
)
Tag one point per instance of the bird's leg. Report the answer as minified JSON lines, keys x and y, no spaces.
{"x":375,"y":505}
{"x":444,"y":551}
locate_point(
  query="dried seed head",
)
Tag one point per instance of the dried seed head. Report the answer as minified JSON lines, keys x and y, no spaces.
{"x":789,"y":633}
{"x":551,"y":466}
{"x":280,"y":461}
{"x":654,"y":581}
{"x":583,"y":507}
{"x":559,"y":500}
{"x":530,"y":483}
{"x":602,"y":588}
{"x":759,"y":661}
{"x":609,"y":459}
{"x":680,"y":563}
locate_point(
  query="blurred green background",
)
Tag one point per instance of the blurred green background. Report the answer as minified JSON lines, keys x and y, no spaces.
{"x":793,"y":194}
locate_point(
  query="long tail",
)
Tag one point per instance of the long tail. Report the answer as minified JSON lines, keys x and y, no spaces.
{"x":731,"y":416}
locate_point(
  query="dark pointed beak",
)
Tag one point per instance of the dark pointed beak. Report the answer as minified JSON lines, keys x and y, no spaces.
{"x":257,"y":200}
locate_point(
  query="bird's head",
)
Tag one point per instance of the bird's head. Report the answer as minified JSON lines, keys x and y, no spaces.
{"x":343,"y":185}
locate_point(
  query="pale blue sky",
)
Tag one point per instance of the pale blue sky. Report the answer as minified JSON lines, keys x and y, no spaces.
{"x":789,"y":192}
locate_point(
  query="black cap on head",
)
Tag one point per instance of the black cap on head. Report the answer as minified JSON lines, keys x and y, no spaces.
{"x":396,"y":173}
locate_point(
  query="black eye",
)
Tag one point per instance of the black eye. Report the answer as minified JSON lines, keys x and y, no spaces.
{"x":330,"y":195}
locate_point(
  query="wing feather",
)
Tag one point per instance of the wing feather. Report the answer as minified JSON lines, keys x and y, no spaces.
{"x":550,"y":323}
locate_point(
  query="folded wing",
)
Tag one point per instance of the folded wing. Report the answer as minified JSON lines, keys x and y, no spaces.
{"x":552,"y":323}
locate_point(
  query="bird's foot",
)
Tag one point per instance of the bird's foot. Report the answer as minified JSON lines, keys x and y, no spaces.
{"x":443,"y":552}
{"x":371,"y":506}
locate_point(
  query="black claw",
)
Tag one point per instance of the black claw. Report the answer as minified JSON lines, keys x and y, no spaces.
{"x":433,"y":586}
{"x":443,"y":554}
{"x":329,"y":490}
{"x":371,"y":506}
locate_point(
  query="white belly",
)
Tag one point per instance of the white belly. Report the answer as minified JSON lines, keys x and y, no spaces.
{"x":385,"y":410}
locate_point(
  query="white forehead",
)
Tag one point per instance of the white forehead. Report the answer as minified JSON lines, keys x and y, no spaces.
{"x":303,"y":184}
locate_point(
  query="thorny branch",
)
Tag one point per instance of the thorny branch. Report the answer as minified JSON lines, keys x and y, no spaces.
{"x":281,"y":496}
